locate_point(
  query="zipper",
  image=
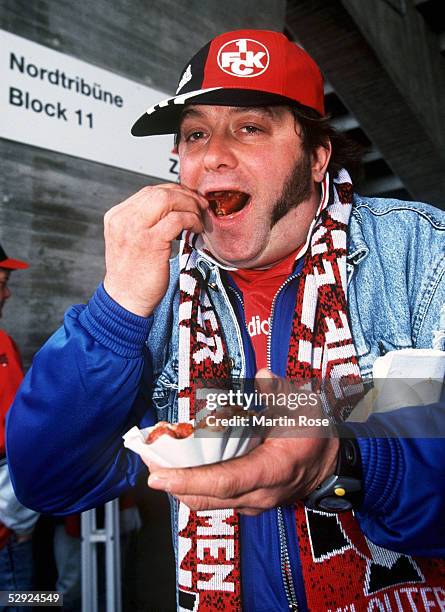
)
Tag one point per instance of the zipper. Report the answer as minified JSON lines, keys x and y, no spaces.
{"x":240,"y":299}
{"x":235,"y":320}
{"x":286,"y":572}
{"x":235,"y":292}
{"x":272,"y":310}
{"x":285,"y":565}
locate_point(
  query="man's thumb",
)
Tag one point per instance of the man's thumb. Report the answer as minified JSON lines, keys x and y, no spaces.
{"x":267,"y":382}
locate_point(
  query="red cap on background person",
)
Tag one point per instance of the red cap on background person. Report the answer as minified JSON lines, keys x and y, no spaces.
{"x":240,"y":68}
{"x":11,"y":373}
{"x":9,"y":263}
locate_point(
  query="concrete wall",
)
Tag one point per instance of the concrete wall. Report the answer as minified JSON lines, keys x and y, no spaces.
{"x":52,"y":205}
{"x":409,"y":51}
{"x":385,"y":66}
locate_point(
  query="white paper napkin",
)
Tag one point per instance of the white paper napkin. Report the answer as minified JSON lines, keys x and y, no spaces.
{"x":408,"y":377}
{"x":192,"y":451}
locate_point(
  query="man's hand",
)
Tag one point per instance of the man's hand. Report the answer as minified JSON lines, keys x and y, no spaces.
{"x":138,"y":240}
{"x":279,"y":471}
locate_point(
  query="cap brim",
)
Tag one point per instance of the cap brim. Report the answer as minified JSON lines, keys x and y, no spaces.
{"x":163,"y":118}
{"x":13,"y":264}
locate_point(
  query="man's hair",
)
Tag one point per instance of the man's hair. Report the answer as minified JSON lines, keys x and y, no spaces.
{"x":317,"y":131}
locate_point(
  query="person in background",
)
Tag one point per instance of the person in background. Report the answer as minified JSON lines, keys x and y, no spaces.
{"x":16,"y":521}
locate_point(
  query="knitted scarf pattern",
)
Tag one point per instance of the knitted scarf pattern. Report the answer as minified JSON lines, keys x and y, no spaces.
{"x":208,"y":541}
{"x":342,"y":570}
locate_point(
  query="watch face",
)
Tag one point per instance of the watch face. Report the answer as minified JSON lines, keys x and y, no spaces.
{"x":334,"y":504}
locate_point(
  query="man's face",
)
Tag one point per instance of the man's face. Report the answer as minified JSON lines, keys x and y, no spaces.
{"x":256,"y":151}
{"x":5,"y":292}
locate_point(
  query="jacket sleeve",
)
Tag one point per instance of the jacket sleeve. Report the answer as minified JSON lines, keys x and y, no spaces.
{"x":403,"y":459}
{"x":83,"y":392}
{"x":12,"y":513}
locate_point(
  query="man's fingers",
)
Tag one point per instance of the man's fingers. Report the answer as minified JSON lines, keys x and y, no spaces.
{"x":173,"y":224}
{"x":217,"y":480}
{"x":172,"y":189}
{"x":259,"y":500}
{"x":138,"y":240}
{"x":202,"y":201}
{"x":267,"y":382}
{"x":276,"y":472}
{"x":208,"y":503}
{"x":249,"y":511}
{"x":171,"y":201}
{"x":225,"y":480}
{"x":149,"y":207}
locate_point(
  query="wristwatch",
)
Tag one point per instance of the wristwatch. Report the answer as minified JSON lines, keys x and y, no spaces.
{"x":342,"y":490}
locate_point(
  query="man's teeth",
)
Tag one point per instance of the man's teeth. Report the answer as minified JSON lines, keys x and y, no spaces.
{"x":225,"y":203}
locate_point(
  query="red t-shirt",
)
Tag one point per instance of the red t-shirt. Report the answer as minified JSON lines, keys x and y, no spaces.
{"x":259,"y":288}
{"x":11,"y":376}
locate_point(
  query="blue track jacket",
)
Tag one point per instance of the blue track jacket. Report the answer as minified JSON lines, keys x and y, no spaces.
{"x":91,"y":382}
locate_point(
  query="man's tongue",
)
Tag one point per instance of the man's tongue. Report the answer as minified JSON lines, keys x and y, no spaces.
{"x":225,"y":203}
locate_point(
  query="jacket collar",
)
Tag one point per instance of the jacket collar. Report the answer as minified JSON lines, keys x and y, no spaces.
{"x":357,"y":247}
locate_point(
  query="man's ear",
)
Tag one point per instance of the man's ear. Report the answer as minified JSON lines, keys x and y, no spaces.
{"x":320,"y":160}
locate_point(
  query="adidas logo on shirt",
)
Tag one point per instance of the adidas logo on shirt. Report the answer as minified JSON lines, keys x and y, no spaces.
{"x":256,"y":327}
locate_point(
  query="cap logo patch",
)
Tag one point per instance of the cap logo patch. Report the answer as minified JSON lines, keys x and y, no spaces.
{"x":243,"y":57}
{"x":186,"y":77}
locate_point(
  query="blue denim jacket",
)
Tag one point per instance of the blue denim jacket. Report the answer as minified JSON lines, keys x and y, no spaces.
{"x":396,"y":287}
{"x":90,"y":372}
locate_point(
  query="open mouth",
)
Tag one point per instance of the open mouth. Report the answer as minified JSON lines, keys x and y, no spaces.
{"x":223,"y":203}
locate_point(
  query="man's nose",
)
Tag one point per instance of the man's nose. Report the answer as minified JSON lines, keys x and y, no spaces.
{"x":7,"y":293}
{"x":219,"y":154}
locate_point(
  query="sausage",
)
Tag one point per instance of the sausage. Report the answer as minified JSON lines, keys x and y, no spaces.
{"x":225,"y":203}
{"x":174,"y":430}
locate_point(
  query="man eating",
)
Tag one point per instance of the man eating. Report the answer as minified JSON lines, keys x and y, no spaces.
{"x":273,"y":233}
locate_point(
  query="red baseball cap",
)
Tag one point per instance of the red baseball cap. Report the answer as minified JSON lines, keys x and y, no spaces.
{"x":240,"y":68}
{"x":11,"y":264}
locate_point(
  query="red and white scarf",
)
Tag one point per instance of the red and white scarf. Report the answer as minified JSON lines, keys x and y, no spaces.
{"x":321,"y":347}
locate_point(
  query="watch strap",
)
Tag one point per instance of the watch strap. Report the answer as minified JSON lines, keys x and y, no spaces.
{"x":342,"y":490}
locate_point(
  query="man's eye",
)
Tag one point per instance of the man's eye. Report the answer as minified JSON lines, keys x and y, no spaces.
{"x":251,"y":129}
{"x":194,"y":136}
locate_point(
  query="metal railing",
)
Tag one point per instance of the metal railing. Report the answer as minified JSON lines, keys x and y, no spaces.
{"x":92,"y":537}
